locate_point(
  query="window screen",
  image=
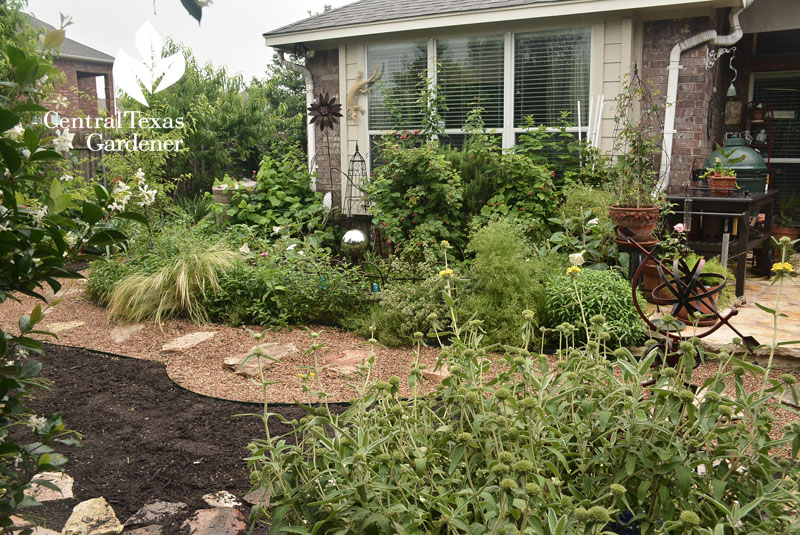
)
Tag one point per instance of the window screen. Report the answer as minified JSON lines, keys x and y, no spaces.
{"x":393,"y":101}
{"x":470,"y":73}
{"x":782,"y":94}
{"x":551,"y":74}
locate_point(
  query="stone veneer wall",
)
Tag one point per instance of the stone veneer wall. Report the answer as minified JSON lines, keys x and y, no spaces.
{"x":697,"y":99}
{"x":325,"y":68}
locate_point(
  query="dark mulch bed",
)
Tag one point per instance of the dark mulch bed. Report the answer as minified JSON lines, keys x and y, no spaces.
{"x":144,"y":437}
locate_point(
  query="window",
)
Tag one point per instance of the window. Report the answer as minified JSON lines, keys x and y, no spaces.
{"x":551,"y":75}
{"x":510,"y":76}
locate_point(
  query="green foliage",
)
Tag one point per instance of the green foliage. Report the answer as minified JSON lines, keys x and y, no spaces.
{"x":575,"y":299}
{"x":502,"y":282}
{"x":283,"y":198}
{"x":180,"y":288}
{"x":288,"y":284}
{"x":524,"y":193}
{"x":42,"y":229}
{"x":416,"y":197}
{"x":400,"y":310}
{"x":569,"y":448}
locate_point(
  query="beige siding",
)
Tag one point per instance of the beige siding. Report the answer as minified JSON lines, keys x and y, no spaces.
{"x":354,"y":58}
{"x":616,"y":61}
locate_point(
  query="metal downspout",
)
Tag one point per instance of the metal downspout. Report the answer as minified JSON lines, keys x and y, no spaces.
{"x":309,"y":79}
{"x":672,"y":81}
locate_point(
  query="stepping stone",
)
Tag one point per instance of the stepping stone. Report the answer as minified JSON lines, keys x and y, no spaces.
{"x":257,"y":498}
{"x":62,"y":326}
{"x":788,"y":398}
{"x":93,"y":517}
{"x":155,"y":511}
{"x":222,"y":498}
{"x":217,"y":521}
{"x":187,"y":341}
{"x":147,"y":530}
{"x":436,"y":375}
{"x":348,"y":362}
{"x":44,"y":531}
{"x":41,"y":493}
{"x":250,"y":369}
{"x":120,"y":335}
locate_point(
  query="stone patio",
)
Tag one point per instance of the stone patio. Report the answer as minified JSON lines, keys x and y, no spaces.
{"x":754,"y":322}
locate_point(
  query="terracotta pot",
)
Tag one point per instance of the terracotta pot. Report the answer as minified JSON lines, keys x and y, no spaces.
{"x":790,"y":232}
{"x":721,"y":186}
{"x":650,"y":279}
{"x":640,"y":220}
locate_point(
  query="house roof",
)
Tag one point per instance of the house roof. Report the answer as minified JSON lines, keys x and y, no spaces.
{"x":73,"y":49}
{"x":372,"y":11}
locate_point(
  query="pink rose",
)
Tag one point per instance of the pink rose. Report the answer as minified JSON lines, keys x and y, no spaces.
{"x":679,"y":228}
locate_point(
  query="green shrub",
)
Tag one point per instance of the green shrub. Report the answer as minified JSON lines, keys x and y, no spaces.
{"x":401,"y":309}
{"x":299,"y":286}
{"x":575,"y":299}
{"x":416,"y":197}
{"x":502,"y":281}
{"x":179,"y":288}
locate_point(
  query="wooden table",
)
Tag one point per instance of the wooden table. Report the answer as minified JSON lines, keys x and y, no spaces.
{"x":733,"y":216}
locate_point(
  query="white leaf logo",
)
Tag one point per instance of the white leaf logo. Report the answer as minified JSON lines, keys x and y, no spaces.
{"x":131,"y":75}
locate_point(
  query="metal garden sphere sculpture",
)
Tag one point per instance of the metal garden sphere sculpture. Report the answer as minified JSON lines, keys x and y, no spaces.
{"x":354,"y":243}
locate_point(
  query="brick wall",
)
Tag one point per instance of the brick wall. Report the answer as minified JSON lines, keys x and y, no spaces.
{"x":325,"y":68}
{"x":80,"y":89}
{"x":697,"y":100}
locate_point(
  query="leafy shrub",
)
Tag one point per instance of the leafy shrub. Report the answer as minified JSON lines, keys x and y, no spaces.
{"x":524,"y":193}
{"x":502,"y":282}
{"x":179,"y":288}
{"x":283,"y":198}
{"x":416,"y":197}
{"x":571,"y":448}
{"x":401,"y":309}
{"x":288,"y":286}
{"x":575,"y":299}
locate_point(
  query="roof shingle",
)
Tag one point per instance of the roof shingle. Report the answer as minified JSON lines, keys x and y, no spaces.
{"x":73,"y":48}
{"x":370,"y":11}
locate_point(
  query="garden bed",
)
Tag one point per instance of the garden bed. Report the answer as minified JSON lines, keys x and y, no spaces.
{"x":144,"y":437}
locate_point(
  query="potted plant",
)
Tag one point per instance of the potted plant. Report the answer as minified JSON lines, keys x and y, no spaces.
{"x":637,"y":144}
{"x":706,"y":306}
{"x":721,"y":177}
{"x":789,"y":212}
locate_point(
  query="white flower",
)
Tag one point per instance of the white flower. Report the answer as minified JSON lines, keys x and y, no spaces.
{"x":39,"y":214}
{"x":139,"y":176}
{"x":41,"y":81}
{"x":63,"y":141}
{"x":60,"y":101}
{"x":291,"y":247}
{"x":148,"y":196}
{"x":71,"y":238}
{"x":116,"y":207}
{"x":276,"y":230}
{"x":36,"y":422}
{"x":26,"y":153}
{"x":16,"y":132}
{"x":576,"y":259}
{"x":593,"y":222}
{"x":121,"y":187}
{"x":66,"y":178}
{"x":244,"y":249}
{"x":4,"y":226}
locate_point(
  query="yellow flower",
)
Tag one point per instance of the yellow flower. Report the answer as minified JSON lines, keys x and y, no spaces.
{"x":446,"y":273}
{"x":782,"y":267}
{"x":573,"y":270}
{"x":445,"y":244}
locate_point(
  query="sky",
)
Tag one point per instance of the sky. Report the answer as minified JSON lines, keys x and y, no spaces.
{"x":230,"y":33}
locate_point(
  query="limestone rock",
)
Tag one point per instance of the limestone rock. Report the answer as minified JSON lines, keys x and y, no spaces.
{"x":348,"y":362}
{"x":62,"y":326}
{"x":436,"y":375}
{"x":187,"y":341}
{"x":216,"y":521}
{"x":222,"y":498}
{"x":789,"y":398}
{"x":250,"y":369}
{"x":41,"y":493}
{"x":258,"y":497}
{"x":120,"y":335}
{"x":93,"y":517}
{"x":147,"y":530}
{"x":155,"y":511}
{"x":44,"y":531}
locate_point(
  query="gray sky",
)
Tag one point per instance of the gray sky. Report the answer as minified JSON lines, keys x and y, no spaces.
{"x":229,"y":35}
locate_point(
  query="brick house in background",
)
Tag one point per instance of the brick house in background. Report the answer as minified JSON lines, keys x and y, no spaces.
{"x":539,"y":57}
{"x":88,"y":87}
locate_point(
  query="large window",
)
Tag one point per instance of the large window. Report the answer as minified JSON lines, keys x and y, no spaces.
{"x":511,"y":76}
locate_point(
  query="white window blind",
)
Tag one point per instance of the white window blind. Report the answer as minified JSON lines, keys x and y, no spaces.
{"x":471,"y":72}
{"x":551,"y":73}
{"x":393,"y":101}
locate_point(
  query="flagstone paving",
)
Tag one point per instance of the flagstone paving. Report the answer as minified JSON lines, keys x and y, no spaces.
{"x":187,"y":341}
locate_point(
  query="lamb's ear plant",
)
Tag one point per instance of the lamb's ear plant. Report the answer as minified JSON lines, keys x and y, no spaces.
{"x":522,"y":442}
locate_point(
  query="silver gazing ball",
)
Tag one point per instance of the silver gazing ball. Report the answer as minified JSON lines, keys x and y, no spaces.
{"x":354,"y":242}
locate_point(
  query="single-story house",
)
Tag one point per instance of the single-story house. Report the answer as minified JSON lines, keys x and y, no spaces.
{"x":539,"y":57}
